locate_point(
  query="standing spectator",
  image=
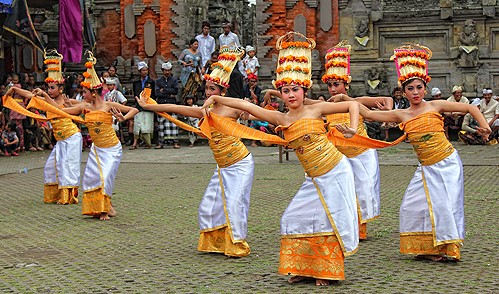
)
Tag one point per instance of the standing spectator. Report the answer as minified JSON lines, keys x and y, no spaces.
{"x":207,"y":67}
{"x":192,"y":121}
{"x":490,"y":109}
{"x":31,"y":133}
{"x":166,"y":93}
{"x":236,"y":84}
{"x":10,"y":139}
{"x":228,"y":38}
{"x":190,"y":59}
{"x":206,"y":44}
{"x":16,"y":117}
{"x":113,"y":95}
{"x":112,"y":74}
{"x":454,"y":120}
{"x":104,"y":76}
{"x":31,"y":82}
{"x":250,"y":61}
{"x":436,"y":94}
{"x":143,"y":125}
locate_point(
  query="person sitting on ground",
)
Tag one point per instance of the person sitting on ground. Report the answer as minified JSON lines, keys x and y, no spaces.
{"x":10,"y":140}
{"x":469,"y":131}
{"x":454,"y":120}
{"x":436,"y":94}
{"x":490,"y":109}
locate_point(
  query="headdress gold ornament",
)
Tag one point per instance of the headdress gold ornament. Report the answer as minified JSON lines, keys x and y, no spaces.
{"x":53,"y":60}
{"x":92,"y":80}
{"x":411,"y":62}
{"x":221,"y":70}
{"x":338,"y":63}
{"x":295,"y":61}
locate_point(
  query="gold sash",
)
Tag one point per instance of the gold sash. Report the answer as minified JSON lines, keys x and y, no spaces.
{"x":52,"y":111}
{"x":100,"y":128}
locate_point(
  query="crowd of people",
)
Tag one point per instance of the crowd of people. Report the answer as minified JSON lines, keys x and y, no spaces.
{"x":328,"y":216}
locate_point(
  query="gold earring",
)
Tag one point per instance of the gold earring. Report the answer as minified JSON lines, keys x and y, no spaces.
{"x":425,"y":92}
{"x":93,"y":95}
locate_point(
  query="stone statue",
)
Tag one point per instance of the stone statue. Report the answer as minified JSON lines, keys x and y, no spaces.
{"x":468,"y":50}
{"x":362,"y":32}
{"x":376,"y":78}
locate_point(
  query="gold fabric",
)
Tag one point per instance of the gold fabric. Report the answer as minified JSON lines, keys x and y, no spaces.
{"x":227,"y":150}
{"x":219,"y":241}
{"x":52,"y":194}
{"x":422,"y":244}
{"x":318,"y":257}
{"x":95,"y":202}
{"x":63,"y":128}
{"x":11,"y":103}
{"x":362,"y":231}
{"x":344,"y":118}
{"x":52,"y":111}
{"x":100,"y":128}
{"x":308,"y":139}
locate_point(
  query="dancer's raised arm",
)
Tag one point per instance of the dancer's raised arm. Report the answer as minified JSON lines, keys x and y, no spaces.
{"x":180,"y":109}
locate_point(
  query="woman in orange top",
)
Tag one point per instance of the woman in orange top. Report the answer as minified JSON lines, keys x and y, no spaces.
{"x":432,"y":210}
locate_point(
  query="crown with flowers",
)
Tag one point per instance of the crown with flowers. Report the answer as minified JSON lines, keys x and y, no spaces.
{"x":221,"y":70}
{"x":411,"y":62}
{"x":92,"y":80}
{"x":338,"y":63}
{"x":295,"y":61}
{"x":53,"y":60}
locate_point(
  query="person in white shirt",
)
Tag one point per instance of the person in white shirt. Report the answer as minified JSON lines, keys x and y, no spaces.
{"x":206,"y":43}
{"x":250,"y":61}
{"x":490,"y":110}
{"x":228,"y":38}
{"x":113,"y":95}
{"x":454,"y":120}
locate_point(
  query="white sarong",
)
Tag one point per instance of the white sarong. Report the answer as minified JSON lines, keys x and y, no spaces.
{"x":367,"y":180}
{"x":102,"y":167}
{"x":143,"y":123}
{"x":227,"y":198}
{"x":325,"y":205}
{"x":434,"y":201}
{"x":63,"y":164}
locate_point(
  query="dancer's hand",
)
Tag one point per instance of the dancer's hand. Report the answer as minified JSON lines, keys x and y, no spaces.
{"x":484,"y":132}
{"x":347,"y":131}
{"x":208,"y":102}
{"x":117,"y":114}
{"x":142,"y":100}
{"x":244,"y":115}
{"x":381,"y":106}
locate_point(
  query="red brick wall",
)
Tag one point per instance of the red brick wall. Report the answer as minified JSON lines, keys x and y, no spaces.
{"x":108,"y":38}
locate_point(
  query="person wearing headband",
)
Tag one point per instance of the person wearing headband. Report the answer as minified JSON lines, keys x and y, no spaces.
{"x":62,"y":168}
{"x":106,"y":152}
{"x":432,"y":210}
{"x":143,"y":122}
{"x":436,"y":94}
{"x":320,"y":225}
{"x":166,"y":92}
{"x":454,"y":120}
{"x":490,"y":110}
{"x":250,"y":62}
{"x":223,"y":212}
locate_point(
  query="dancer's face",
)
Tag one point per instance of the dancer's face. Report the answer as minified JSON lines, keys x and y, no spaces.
{"x":53,"y":90}
{"x":293,"y":95}
{"x":87,"y":95}
{"x":336,"y":87}
{"x":212,"y":89}
{"x":414,"y":91}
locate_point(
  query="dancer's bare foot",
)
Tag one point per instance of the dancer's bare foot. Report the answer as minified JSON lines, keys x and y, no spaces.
{"x":431,"y":257}
{"x":112,"y":212}
{"x":296,"y":279}
{"x":104,"y":216}
{"x":321,"y":282}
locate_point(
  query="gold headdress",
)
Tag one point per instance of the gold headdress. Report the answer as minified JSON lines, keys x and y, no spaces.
{"x":227,"y":59}
{"x":338,"y":63}
{"x":53,"y":60}
{"x":295,"y":61}
{"x":92,"y":80}
{"x":412,"y":62}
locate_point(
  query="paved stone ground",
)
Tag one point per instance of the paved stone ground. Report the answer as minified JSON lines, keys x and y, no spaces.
{"x":150,"y":247}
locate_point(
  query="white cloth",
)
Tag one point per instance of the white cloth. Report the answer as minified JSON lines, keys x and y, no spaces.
{"x":236,"y":181}
{"x":231,"y":40}
{"x":251,"y":64}
{"x":64,"y":161}
{"x":462,"y":100}
{"x":101,"y":169}
{"x":206,"y":47}
{"x":306,"y":215}
{"x":115,"y":96}
{"x":367,"y":182}
{"x":435,"y":91}
{"x":445,"y":186}
{"x":489,"y":110}
{"x":143,"y":123}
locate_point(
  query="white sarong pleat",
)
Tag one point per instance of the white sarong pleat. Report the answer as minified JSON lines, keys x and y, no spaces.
{"x":64,"y":163}
{"x":101,"y":169}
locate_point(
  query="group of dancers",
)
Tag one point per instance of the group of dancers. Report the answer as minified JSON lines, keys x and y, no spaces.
{"x":341,"y":193}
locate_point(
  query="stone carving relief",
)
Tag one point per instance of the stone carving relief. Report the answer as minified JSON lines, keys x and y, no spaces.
{"x":468,"y":49}
{"x":362,"y":32}
{"x":376,"y":79}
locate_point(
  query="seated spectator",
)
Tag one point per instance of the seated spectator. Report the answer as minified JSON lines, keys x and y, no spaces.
{"x":490,"y":109}
{"x":10,"y":140}
{"x":469,"y":134}
{"x":454,"y":120}
{"x":399,"y":102}
{"x":32,"y":133}
{"x":436,"y":94}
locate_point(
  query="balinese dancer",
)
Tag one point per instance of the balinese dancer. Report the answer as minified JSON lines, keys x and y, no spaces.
{"x":62,"y":169}
{"x":432,"y":210}
{"x":320,"y":225}
{"x":105,"y":152}
{"x":223,"y":211}
{"x":364,"y":161}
